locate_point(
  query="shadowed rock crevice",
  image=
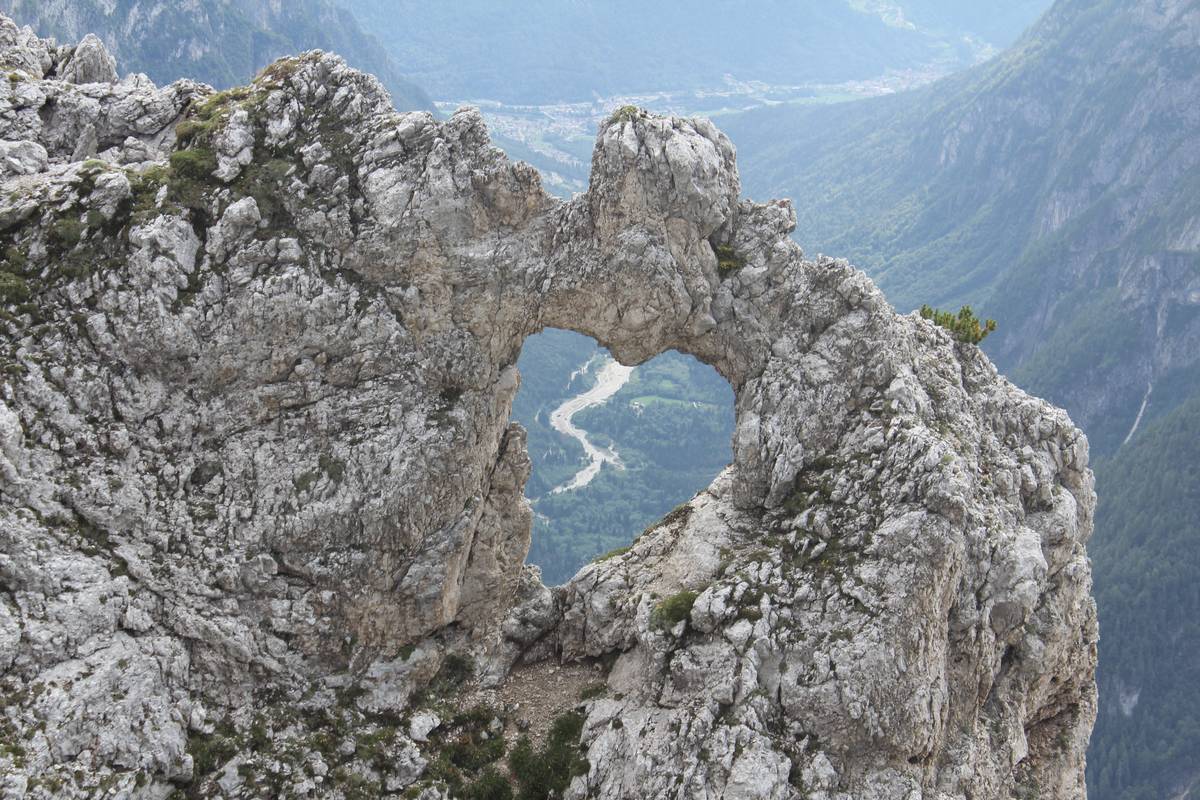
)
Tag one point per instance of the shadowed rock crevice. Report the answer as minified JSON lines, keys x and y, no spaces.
{"x":259,"y":481}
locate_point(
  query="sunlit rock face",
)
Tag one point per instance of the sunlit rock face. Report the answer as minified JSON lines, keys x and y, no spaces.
{"x":256,"y":465}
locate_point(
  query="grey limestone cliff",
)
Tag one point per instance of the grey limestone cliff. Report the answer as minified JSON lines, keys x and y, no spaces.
{"x":262,"y":531}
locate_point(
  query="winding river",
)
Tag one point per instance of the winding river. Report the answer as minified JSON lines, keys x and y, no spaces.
{"x":609,"y":380}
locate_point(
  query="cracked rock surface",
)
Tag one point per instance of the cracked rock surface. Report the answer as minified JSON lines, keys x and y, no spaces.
{"x":262,"y":501}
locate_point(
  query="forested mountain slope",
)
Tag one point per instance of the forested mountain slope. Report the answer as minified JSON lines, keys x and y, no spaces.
{"x":222,"y":43}
{"x":1055,"y":188}
{"x":1146,"y":553}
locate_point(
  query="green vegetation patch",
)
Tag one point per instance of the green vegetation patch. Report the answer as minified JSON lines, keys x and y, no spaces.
{"x":670,"y":611}
{"x":466,"y":761}
{"x":625,"y":114}
{"x":210,"y":115}
{"x":491,"y":785}
{"x":728,"y":261}
{"x":194,"y":164}
{"x":546,"y":772}
{"x":965,"y":326}
{"x":617,"y":551}
{"x":467,"y":749}
{"x":13,"y":289}
{"x":209,"y":752}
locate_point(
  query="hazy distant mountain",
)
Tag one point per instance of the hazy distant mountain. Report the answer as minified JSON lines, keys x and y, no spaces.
{"x":223,"y":42}
{"x":549,"y":50}
{"x":1055,"y":187}
{"x":998,"y":22}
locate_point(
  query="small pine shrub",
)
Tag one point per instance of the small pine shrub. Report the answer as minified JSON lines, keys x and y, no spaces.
{"x":210,"y":752}
{"x":455,"y":671}
{"x":624,"y":114}
{"x":964,"y":325}
{"x":470,"y":752}
{"x":65,"y":233}
{"x":593,"y":690}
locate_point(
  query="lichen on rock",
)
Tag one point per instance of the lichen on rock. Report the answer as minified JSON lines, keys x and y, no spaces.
{"x":262,"y":517}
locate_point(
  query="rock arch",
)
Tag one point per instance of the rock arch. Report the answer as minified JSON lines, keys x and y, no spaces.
{"x":632,"y":264}
{"x":277,"y":444}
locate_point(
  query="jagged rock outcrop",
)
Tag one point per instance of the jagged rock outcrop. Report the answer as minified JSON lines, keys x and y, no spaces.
{"x":261,"y":496}
{"x":223,"y":44}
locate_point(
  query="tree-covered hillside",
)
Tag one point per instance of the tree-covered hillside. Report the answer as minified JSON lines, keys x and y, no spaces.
{"x":1056,"y":189}
{"x":1146,"y":555}
{"x":222,"y":43}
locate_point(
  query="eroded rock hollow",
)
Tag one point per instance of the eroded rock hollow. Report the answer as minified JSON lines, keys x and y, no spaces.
{"x":262,"y":501}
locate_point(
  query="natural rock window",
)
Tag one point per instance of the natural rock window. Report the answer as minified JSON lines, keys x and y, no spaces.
{"x":256,"y":459}
{"x":613,"y":448}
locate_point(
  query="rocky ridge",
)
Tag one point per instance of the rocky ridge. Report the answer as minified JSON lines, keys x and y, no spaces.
{"x":223,"y":44}
{"x":262,"y":529}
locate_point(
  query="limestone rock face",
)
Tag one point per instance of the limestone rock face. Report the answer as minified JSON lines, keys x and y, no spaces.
{"x":90,"y":62}
{"x":259,"y":481}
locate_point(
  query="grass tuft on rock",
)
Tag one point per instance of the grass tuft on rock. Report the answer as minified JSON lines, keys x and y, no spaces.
{"x":194,"y":164}
{"x":13,"y":289}
{"x":671,"y":610}
{"x":618,"y":551}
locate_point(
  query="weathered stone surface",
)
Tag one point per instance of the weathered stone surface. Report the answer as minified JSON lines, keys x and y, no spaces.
{"x":89,"y":62}
{"x":22,"y":157}
{"x":259,"y":481}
